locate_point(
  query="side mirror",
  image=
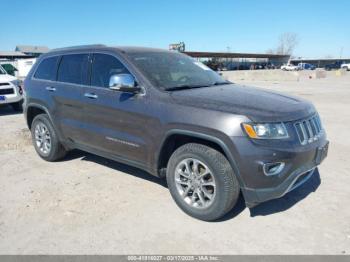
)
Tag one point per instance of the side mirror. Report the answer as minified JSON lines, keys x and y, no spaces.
{"x":124,"y":83}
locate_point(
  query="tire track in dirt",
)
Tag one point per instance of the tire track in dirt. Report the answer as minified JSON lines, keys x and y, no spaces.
{"x":18,"y":140}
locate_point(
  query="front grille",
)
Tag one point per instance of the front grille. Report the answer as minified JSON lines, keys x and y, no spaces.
{"x":308,"y":130}
{"x":7,"y":91}
{"x":4,"y":84}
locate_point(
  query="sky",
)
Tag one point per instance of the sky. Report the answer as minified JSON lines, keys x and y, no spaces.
{"x":322,"y":26}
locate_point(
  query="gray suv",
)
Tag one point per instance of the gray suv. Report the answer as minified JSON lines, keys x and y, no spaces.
{"x":172,"y":116}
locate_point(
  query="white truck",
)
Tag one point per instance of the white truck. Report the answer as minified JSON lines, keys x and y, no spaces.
{"x":290,"y":67}
{"x":11,"y":92}
{"x":21,"y":66}
{"x":345,"y":66}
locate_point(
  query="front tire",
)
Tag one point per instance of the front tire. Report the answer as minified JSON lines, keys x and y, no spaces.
{"x":202,"y":181}
{"x":45,"y":139}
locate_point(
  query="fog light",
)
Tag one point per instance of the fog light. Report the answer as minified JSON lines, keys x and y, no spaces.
{"x":272,"y":169}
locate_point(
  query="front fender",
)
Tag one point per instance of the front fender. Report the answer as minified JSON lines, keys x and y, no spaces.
{"x":220,"y":139}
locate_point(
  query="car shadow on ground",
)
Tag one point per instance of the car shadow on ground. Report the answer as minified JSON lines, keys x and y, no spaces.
{"x":130,"y":170}
{"x":277,"y":205}
{"x":263,"y":209}
{"x":7,"y":110}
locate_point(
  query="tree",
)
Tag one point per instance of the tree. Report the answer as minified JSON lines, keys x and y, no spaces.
{"x":286,"y":44}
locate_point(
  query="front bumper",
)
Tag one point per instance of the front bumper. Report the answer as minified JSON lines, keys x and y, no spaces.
{"x":15,"y":97}
{"x":300,"y":163}
{"x":255,"y":196}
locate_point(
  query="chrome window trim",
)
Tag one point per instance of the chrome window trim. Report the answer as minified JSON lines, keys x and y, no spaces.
{"x":90,"y":53}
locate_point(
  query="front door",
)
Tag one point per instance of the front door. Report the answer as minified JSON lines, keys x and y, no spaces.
{"x":114,"y":121}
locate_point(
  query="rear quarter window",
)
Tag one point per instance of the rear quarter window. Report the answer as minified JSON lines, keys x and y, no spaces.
{"x":47,"y":69}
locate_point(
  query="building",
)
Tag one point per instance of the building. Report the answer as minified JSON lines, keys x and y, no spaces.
{"x":20,"y":61}
{"x":239,"y":61}
{"x":12,"y":55}
{"x":320,"y":62}
{"x":33,"y":51}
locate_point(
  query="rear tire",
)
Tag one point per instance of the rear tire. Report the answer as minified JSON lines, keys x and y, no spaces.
{"x":45,"y":139}
{"x":206,"y":197}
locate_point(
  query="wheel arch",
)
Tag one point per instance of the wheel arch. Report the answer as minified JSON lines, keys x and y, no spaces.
{"x":176,"y":138}
{"x":33,"y":110}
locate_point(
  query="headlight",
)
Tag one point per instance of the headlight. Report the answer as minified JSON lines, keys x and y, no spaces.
{"x":265,"y":130}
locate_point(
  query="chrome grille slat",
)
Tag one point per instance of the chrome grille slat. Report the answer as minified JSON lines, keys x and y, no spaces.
{"x":312,"y":125}
{"x":318,"y":129}
{"x":318,"y":120}
{"x":311,"y":135}
{"x":308,"y":130}
{"x":304,"y":133}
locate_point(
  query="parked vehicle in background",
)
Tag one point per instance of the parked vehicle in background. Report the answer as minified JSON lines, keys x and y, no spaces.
{"x":346,"y":66}
{"x":332,"y":66}
{"x":174,"y":117}
{"x":306,"y":66}
{"x":11,"y":92}
{"x":289,"y":67}
{"x":270,"y":66}
{"x":19,"y":67}
{"x":24,"y":66}
{"x":10,"y":69}
{"x":213,"y":64}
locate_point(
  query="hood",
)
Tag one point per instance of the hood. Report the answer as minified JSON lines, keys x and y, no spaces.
{"x":257,"y":104}
{"x":7,"y":78}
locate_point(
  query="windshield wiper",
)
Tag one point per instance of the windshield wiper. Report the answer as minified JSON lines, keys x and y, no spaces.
{"x":182,"y":87}
{"x":186,"y":86}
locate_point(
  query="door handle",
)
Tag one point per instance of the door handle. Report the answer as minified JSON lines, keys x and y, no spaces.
{"x":50,"y":88}
{"x":91,"y":95}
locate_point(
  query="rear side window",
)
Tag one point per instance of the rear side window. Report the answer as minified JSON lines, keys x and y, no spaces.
{"x":73,"y":69}
{"x":103,"y":67}
{"x":47,"y":69}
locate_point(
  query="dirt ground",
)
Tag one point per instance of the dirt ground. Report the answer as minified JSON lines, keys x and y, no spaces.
{"x":90,"y":205}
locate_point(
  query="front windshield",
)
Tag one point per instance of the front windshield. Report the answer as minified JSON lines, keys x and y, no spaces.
{"x":2,"y":71}
{"x":172,"y":70}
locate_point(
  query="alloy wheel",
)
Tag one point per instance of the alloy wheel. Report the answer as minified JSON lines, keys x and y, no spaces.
{"x":42,"y":138}
{"x":195,"y":183}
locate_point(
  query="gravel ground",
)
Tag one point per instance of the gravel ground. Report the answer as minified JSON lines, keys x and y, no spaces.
{"x":90,"y":205}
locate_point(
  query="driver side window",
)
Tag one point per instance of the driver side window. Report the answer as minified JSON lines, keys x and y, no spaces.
{"x":103,"y":67}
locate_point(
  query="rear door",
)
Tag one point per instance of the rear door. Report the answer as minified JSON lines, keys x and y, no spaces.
{"x":114,"y":121}
{"x":72,"y":77}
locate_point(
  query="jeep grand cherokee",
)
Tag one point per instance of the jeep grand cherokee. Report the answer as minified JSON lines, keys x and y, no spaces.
{"x":172,"y":116}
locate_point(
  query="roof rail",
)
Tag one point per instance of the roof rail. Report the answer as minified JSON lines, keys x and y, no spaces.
{"x":78,"y":47}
